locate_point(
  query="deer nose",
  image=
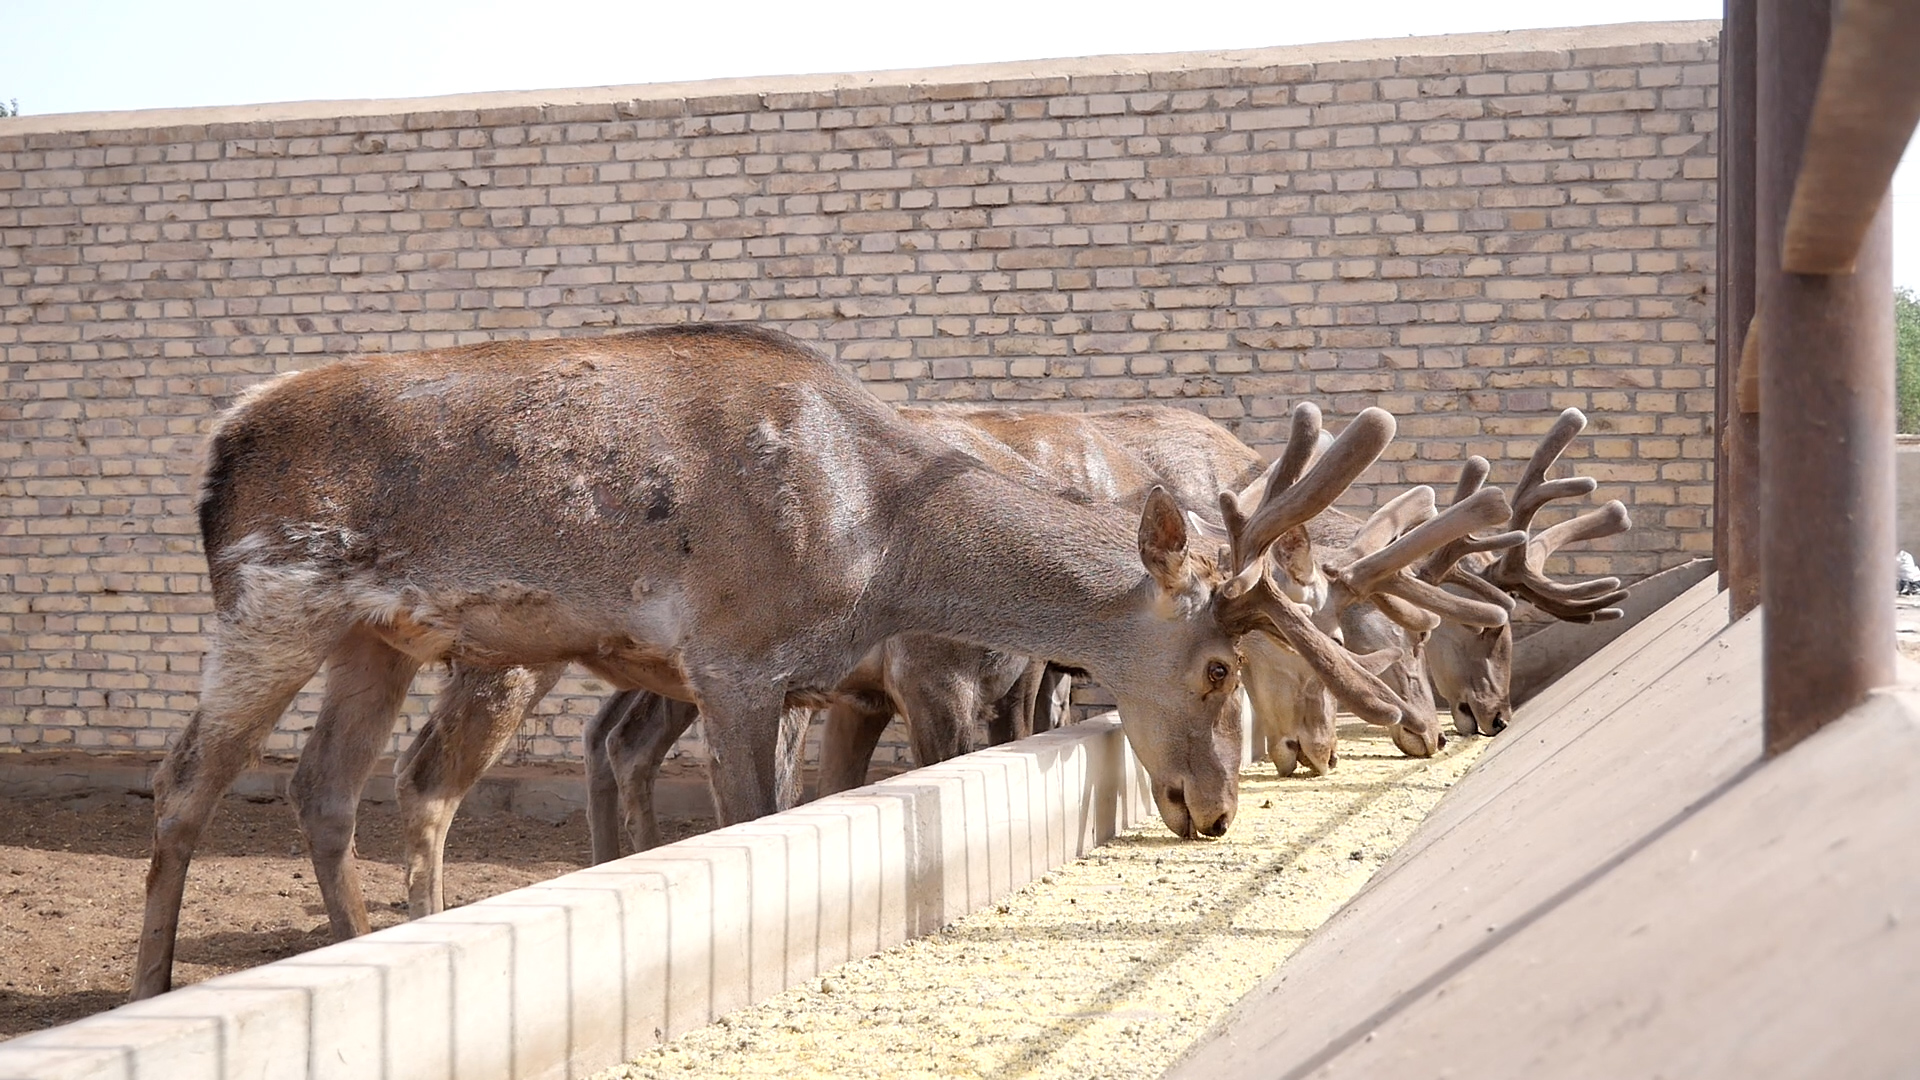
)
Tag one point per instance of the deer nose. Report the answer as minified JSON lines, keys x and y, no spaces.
{"x":1218,"y":828}
{"x":1499,"y":723}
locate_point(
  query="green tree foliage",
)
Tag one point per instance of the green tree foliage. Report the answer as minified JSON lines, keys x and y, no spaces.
{"x":10,"y":107}
{"x":1906,"y":358}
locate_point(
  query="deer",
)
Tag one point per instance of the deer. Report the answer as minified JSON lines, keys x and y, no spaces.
{"x":1289,"y":701}
{"x":717,"y":514}
{"x":1110,"y":456}
{"x":946,"y":690}
{"x":1467,"y":656}
{"x":951,"y":693}
{"x":1472,"y":668}
{"x":1293,"y":709}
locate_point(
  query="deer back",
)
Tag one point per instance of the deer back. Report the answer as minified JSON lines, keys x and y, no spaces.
{"x":533,"y":501}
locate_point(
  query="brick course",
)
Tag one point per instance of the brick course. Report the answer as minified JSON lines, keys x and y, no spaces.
{"x":1472,"y":232}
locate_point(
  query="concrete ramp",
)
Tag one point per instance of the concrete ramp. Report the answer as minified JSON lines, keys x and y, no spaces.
{"x":1540,"y":659}
{"x":1622,"y":887}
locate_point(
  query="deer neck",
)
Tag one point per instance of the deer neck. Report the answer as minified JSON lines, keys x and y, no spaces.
{"x":979,"y":557}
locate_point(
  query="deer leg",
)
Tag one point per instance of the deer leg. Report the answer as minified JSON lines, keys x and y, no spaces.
{"x":743,"y":729}
{"x":939,"y":714}
{"x":1011,"y":716}
{"x":946,"y":691}
{"x":1052,"y":699}
{"x":252,"y":674}
{"x":789,"y":748}
{"x":603,"y":785}
{"x":855,"y":723}
{"x":636,"y":730}
{"x":473,"y":719}
{"x":367,"y":680}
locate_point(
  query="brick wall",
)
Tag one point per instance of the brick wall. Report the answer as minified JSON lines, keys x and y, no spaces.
{"x":1473,"y":232}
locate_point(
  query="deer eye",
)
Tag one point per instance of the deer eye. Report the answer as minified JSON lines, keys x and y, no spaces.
{"x":1216,"y":672}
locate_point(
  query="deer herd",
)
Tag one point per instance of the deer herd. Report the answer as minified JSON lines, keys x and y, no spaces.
{"x":724,"y":525}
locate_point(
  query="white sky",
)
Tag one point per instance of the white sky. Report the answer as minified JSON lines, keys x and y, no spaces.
{"x":84,"y":55}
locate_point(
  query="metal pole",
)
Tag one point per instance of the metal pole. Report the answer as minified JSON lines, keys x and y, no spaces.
{"x":1737,"y":452}
{"x":1826,"y":422}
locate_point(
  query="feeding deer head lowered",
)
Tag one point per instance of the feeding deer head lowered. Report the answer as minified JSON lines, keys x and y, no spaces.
{"x":1473,"y":667}
{"x":717,"y":514}
{"x":1360,"y":590}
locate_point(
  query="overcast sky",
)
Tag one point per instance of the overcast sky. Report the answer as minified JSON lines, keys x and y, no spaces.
{"x":85,"y":55}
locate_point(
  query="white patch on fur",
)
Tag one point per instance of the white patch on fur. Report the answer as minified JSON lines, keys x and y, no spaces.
{"x":244,"y":399}
{"x":307,"y":580}
{"x":431,"y":387}
{"x":577,"y":502}
{"x":246,"y":549}
{"x":1206,"y":530}
{"x":661,"y":617}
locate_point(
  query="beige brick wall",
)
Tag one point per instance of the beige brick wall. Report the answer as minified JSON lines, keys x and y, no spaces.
{"x":1473,"y":232}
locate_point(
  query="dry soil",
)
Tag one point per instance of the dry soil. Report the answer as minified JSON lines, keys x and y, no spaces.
{"x":72,"y":874}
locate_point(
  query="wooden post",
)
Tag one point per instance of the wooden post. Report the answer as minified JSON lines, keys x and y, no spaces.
{"x":1736,"y":498}
{"x":1826,"y":420}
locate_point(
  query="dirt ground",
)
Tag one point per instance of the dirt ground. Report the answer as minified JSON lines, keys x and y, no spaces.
{"x":72,"y":874}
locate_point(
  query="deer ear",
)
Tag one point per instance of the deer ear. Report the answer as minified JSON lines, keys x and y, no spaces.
{"x":1163,"y":540}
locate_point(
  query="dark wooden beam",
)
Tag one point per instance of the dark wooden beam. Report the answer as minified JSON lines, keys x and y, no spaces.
{"x":1737,"y":448}
{"x":1863,"y":116}
{"x":1826,"y":420}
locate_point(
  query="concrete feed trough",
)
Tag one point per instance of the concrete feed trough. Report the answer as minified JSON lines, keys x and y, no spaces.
{"x":582,"y":971}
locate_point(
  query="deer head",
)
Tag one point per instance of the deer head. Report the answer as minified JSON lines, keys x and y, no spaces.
{"x":1184,"y":670}
{"x":1472,"y":665}
{"x":1193,"y":580}
{"x":1374,"y":570}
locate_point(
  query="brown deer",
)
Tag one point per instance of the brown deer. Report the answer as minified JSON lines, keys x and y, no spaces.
{"x":717,"y":514}
{"x":1173,"y":443}
{"x":1467,"y":655}
{"x":955,"y":696}
{"x":1473,"y":667}
{"x":947,"y":691}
